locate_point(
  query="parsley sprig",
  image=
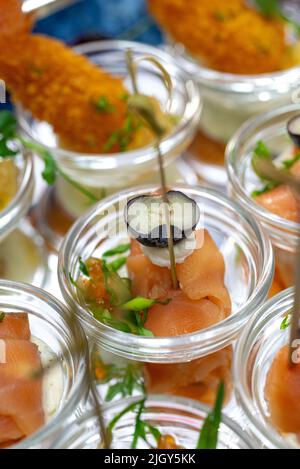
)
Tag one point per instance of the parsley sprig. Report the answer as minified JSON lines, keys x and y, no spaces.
{"x":273,"y":9}
{"x":9,"y":138}
{"x":123,"y":380}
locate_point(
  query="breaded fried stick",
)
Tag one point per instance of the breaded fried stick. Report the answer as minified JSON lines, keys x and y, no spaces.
{"x":84,"y":104}
{"x":226,"y":35}
{"x":12,"y":19}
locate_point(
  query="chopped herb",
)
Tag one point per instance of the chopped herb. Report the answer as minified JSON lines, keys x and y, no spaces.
{"x":103,"y":105}
{"x":268,"y":187}
{"x":288,"y":164}
{"x":144,"y":332}
{"x":8,"y":124}
{"x":50,"y":171}
{"x":125,"y":97}
{"x":104,"y":315}
{"x":2,"y":316}
{"x":117,"y":264}
{"x":73,"y":282}
{"x":118,"y":289}
{"x":273,"y":9}
{"x":285,"y":323}
{"x":268,"y":8}
{"x":261,"y":151}
{"x":219,"y":15}
{"x":83,"y":268}
{"x":209,"y":434}
{"x":122,"y":137}
{"x":141,"y":304}
{"x":112,"y":141}
{"x":128,"y":380}
{"x":121,"y":249}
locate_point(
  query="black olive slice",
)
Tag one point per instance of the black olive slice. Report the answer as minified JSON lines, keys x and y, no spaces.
{"x":145,"y":217}
{"x":293,"y":128}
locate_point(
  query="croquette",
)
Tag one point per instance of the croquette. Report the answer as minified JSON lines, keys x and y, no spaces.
{"x":228,"y":36}
{"x":85,"y":105}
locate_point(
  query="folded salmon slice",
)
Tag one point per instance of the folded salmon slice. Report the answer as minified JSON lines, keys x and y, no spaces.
{"x":9,"y":431}
{"x":148,"y":280}
{"x":198,"y":379}
{"x":182,"y":316}
{"x":200,"y":276}
{"x":21,"y":392}
{"x":281,"y":201}
{"x":15,"y":326}
{"x":282,"y":391}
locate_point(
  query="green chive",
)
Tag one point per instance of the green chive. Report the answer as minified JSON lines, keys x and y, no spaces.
{"x":121,"y":249}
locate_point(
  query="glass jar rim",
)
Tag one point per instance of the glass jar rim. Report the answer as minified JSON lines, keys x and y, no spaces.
{"x":79,"y":386}
{"x":169,"y":402}
{"x":244,"y":83}
{"x":247,"y":129}
{"x":166,"y":349}
{"x":272,"y":309}
{"x":19,"y":205}
{"x":141,"y":155}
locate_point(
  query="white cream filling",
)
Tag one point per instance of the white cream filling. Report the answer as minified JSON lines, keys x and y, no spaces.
{"x":182,"y":250}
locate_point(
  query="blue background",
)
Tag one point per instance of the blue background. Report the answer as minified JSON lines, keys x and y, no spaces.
{"x":127,"y":19}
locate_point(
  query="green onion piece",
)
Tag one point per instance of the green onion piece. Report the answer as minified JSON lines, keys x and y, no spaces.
{"x":121,"y":249}
{"x":2,"y":316}
{"x":141,"y":304}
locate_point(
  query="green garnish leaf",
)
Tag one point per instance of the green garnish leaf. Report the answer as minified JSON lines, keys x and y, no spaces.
{"x":128,"y":380}
{"x":117,"y":288}
{"x":50,"y":171}
{"x":83,"y":267}
{"x":288,"y":164}
{"x":2,"y":316}
{"x":267,"y":188}
{"x":209,"y":434}
{"x":141,"y":304}
{"x":285,"y":323}
{"x":144,"y":332}
{"x":125,"y":411}
{"x":261,"y":151}
{"x":121,"y":249}
{"x":73,"y":282}
{"x":117,"y":264}
{"x":5,"y":151}
{"x":269,"y":8}
{"x":103,"y":105}
{"x":154,"y":432}
{"x":112,"y":141}
{"x":103,"y":315}
{"x":8,"y":124}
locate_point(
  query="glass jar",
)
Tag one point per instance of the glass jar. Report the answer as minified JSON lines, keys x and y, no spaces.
{"x":272,"y":129}
{"x":180,"y":418}
{"x":229,"y":100}
{"x":22,"y":251}
{"x":255,"y":352}
{"x":107,"y":174}
{"x":249,"y":273}
{"x":66,"y":385}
